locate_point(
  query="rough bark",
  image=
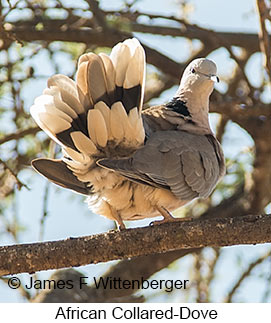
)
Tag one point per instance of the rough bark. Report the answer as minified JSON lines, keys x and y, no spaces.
{"x":72,"y":252}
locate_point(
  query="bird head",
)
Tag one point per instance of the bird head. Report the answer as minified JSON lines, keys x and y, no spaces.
{"x":199,"y":76}
{"x":196,"y":85}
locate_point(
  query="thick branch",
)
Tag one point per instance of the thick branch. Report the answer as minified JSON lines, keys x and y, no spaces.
{"x":250,"y":229}
{"x":244,"y":40}
{"x":154,"y":57}
{"x":249,"y":41}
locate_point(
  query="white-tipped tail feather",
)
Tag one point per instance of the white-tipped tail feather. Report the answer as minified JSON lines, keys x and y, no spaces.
{"x":127,"y":173}
{"x":99,"y":108}
{"x":91,"y":117}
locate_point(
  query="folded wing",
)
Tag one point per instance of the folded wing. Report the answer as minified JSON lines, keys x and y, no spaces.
{"x":187,"y":164}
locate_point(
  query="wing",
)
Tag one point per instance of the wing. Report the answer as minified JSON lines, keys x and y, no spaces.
{"x":185,"y":163}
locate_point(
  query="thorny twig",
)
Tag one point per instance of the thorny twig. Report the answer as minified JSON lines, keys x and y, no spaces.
{"x":244,"y":275}
{"x":19,"y":183}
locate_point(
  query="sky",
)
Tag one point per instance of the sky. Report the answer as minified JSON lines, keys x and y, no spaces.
{"x":68,"y":214}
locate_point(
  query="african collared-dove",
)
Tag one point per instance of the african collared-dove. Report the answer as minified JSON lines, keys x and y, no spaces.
{"x":132,"y":164}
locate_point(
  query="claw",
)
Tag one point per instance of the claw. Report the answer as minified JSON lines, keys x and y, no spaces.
{"x":121,"y":226}
{"x":168,"y":217}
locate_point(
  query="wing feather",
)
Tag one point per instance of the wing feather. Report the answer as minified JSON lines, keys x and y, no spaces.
{"x":181,"y":168}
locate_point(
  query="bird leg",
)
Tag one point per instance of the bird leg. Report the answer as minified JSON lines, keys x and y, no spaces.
{"x":118,"y":220}
{"x":167,"y":217}
{"x":116,"y":217}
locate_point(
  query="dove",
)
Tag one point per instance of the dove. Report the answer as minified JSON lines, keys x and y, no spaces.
{"x":131,"y":163}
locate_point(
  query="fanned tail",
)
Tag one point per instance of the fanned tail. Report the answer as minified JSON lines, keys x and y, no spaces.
{"x":101,"y":109}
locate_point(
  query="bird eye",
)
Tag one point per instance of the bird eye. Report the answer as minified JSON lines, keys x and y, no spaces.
{"x":193,"y":71}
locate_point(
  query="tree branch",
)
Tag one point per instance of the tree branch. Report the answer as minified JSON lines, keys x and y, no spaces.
{"x":19,"y":134}
{"x":188,"y":30}
{"x":98,"y":13}
{"x":99,"y":38}
{"x":263,"y":36}
{"x":244,"y":275}
{"x":250,"y":229}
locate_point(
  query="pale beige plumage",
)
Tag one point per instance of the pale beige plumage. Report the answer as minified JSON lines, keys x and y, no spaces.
{"x":132,"y":164}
